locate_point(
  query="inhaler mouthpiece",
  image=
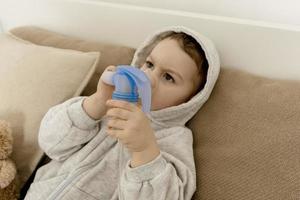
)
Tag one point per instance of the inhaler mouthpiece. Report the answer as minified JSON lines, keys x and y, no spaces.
{"x":130,"y":83}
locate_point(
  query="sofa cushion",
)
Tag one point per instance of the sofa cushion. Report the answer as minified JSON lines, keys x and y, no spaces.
{"x":247,"y":139}
{"x":32,"y":79}
{"x":111,"y":54}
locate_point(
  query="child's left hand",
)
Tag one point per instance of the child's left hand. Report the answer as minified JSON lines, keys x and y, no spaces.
{"x":130,"y":125}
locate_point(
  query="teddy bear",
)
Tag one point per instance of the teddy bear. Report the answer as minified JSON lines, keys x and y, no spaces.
{"x":8,"y":173}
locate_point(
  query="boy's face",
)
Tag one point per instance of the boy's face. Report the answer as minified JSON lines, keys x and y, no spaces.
{"x":173,"y":73}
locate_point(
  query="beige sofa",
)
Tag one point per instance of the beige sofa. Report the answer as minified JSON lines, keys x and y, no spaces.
{"x":246,"y":137}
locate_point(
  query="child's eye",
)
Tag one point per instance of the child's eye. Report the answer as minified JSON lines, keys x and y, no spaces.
{"x":149,"y":64}
{"x":168,"y":77}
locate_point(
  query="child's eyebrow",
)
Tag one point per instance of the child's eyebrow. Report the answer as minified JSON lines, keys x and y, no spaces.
{"x":169,"y":70}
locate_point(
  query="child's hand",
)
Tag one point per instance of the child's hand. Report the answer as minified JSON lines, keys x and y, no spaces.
{"x":104,"y":91}
{"x":130,"y":125}
{"x":94,"y":105}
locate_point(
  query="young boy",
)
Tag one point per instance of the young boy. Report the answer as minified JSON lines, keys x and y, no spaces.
{"x":108,"y":149}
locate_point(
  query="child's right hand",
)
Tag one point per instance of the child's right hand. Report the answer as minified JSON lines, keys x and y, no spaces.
{"x":95,"y":105}
{"x":104,"y":91}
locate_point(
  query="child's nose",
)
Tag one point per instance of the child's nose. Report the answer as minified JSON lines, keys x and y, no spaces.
{"x":152,"y":78}
{"x":153,"y":82}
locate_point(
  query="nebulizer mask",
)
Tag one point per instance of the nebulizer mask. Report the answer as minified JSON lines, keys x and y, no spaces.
{"x":130,"y":83}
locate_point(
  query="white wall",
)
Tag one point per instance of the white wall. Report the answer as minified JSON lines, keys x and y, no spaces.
{"x":263,"y":48}
{"x":1,"y":28}
{"x":272,"y":13}
{"x":276,"y":11}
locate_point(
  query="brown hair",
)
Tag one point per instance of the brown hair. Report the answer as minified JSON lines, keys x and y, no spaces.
{"x":194,"y":50}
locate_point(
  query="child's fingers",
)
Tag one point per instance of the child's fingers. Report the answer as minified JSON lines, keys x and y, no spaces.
{"x":139,"y":104}
{"x":115,"y":133}
{"x":118,"y":113}
{"x":116,"y":124}
{"x":121,"y":104}
{"x":111,"y":68}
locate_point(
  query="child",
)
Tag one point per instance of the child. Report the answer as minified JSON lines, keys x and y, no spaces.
{"x":131,"y":155}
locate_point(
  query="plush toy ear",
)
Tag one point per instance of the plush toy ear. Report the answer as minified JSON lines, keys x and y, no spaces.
{"x":6,"y":139}
{"x":7,"y":173}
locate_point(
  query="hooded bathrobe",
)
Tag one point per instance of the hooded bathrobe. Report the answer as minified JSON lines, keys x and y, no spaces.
{"x":88,"y":164}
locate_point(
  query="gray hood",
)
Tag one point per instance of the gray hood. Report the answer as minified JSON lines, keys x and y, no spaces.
{"x":180,"y":114}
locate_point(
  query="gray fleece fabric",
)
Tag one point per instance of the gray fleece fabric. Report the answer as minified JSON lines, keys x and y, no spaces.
{"x":87,"y":164}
